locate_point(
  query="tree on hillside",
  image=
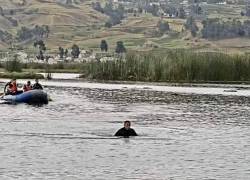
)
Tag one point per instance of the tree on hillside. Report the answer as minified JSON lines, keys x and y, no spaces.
{"x":24,"y":33}
{"x":196,"y":9}
{"x":121,"y":9}
{"x":97,"y":6}
{"x":75,"y":52}
{"x":194,"y":30}
{"x":248,"y":12}
{"x":115,"y":14}
{"x":217,"y":29}
{"x":247,"y":8}
{"x":69,"y":2}
{"x":140,"y":10}
{"x":6,"y":37}
{"x":108,"y":24}
{"x":38,"y":32}
{"x":13,"y":21}
{"x":191,"y":25}
{"x":108,"y":7}
{"x":181,"y":13}
{"x":1,"y":11}
{"x":120,"y":48}
{"x":42,"y":48}
{"x":12,"y":12}
{"x":46,"y":30}
{"x":153,"y":9}
{"x":104,"y":45}
{"x":61,"y":52}
{"x":115,"y":19}
{"x":66,"y":53}
{"x":163,"y":27}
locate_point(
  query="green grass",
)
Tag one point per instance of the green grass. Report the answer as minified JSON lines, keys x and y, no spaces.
{"x":20,"y":75}
{"x":33,"y":68}
{"x":60,"y":67}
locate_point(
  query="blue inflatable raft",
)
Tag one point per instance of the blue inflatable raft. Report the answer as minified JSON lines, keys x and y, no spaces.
{"x":29,"y":97}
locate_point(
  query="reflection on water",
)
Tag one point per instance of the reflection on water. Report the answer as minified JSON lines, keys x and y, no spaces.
{"x":63,"y":75}
{"x":182,"y":135}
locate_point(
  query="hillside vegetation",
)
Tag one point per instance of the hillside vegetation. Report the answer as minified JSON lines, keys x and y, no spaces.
{"x":67,"y":22}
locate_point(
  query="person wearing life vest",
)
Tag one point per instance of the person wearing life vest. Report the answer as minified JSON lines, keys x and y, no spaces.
{"x":27,"y":87}
{"x":12,"y":88}
{"x":8,"y":88}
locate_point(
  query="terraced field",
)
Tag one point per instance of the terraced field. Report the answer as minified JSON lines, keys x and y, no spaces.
{"x":80,"y":24}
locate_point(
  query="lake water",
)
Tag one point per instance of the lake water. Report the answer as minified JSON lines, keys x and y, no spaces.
{"x":63,"y":75}
{"x":185,"y":133}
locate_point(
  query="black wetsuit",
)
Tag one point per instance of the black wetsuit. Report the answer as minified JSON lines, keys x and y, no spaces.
{"x":37,"y":86}
{"x":126,"y":133}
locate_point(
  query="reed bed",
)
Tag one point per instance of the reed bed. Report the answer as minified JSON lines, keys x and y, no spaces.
{"x":20,"y":75}
{"x":173,"y":66}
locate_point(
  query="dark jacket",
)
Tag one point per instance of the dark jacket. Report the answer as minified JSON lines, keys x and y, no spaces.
{"x":126,"y":133}
{"x":37,"y":86}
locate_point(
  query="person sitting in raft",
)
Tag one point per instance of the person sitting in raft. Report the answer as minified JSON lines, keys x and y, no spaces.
{"x":12,"y":88}
{"x":27,"y":86}
{"x":126,"y":131}
{"x":37,"y":85}
{"x":8,"y":88}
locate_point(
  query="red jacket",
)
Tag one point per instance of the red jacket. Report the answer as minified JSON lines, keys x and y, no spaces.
{"x":13,"y":88}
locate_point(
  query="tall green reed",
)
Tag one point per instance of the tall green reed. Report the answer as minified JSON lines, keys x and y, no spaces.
{"x":173,"y":66}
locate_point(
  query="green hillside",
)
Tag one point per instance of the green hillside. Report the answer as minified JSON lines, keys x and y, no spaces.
{"x":79,"y":23}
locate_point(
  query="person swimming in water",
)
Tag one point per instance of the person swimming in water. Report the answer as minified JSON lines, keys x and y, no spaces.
{"x":126,"y":131}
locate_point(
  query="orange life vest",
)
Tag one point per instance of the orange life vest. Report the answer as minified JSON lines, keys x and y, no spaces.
{"x":13,"y":88}
{"x":26,"y":88}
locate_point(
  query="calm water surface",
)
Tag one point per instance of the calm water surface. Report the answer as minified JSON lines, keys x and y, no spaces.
{"x":184,"y":134}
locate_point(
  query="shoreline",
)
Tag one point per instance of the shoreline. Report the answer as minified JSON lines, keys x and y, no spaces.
{"x":41,"y":75}
{"x":239,"y":85}
{"x":20,"y":75}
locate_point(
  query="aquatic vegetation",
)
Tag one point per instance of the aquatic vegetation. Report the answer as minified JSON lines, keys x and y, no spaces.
{"x":21,"y":75}
{"x":13,"y":65}
{"x":173,"y":66}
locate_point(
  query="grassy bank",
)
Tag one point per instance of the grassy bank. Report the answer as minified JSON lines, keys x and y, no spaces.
{"x":55,"y":68}
{"x":20,"y":75}
{"x":183,"y":66}
{"x":174,"y":66}
{"x":45,"y":68}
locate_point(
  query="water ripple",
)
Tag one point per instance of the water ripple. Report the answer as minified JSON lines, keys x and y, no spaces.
{"x":181,"y":136}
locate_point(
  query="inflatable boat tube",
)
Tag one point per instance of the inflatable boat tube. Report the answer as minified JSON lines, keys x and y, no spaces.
{"x":30,"y":97}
